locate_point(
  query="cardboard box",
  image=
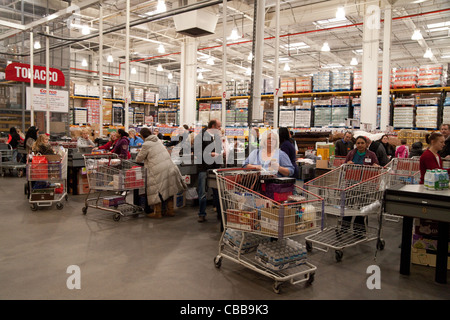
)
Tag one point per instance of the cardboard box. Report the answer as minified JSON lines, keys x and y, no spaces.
{"x":322,"y":164}
{"x":43,"y":194}
{"x":83,"y":188}
{"x":241,"y":219}
{"x":273,"y":224}
{"x":422,"y":257}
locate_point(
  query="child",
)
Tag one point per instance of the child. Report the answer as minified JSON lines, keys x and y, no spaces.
{"x":402,"y":151}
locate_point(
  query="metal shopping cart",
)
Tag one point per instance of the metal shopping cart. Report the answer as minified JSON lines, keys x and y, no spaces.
{"x":47,"y":180}
{"x":350,"y":190}
{"x":8,"y":163}
{"x":337,"y":161}
{"x":402,"y":171}
{"x":258,"y":230}
{"x":111,"y":178}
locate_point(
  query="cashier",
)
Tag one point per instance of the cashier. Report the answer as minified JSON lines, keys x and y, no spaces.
{"x":361,"y":154}
{"x":431,"y":159}
{"x":269,"y":157}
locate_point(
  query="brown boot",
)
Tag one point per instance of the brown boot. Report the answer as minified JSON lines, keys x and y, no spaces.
{"x":170,"y":209}
{"x":156,"y":212}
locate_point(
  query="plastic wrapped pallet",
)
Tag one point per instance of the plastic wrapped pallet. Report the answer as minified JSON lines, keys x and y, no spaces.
{"x":163,"y":93}
{"x":119,"y":92}
{"x":322,"y":81}
{"x":303,"y":84}
{"x":341,"y":80}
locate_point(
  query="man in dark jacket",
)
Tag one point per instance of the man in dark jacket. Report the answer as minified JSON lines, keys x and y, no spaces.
{"x":208,"y":154}
{"x":445,"y":130}
{"x":416,"y":149}
{"x":380,"y":151}
{"x":344,"y":146}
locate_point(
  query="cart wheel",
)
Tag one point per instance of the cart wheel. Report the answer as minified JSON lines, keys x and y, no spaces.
{"x":20,"y":173}
{"x":59,"y":205}
{"x":311,"y":278}
{"x":84,"y":210}
{"x":26,"y":188}
{"x":218,"y":262}
{"x":34,"y":206}
{"x":66,"y":197}
{"x":380,"y":244}
{"x":338,"y":255}
{"x":309,"y":246}
{"x":276,"y":287}
{"x":116,"y":217}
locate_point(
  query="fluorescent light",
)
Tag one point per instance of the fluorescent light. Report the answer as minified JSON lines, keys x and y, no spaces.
{"x":296,"y":45}
{"x":234,"y":35}
{"x":428,"y":54}
{"x":354,"y":61}
{"x":37,"y":45}
{"x":170,"y":76}
{"x":340,"y":13}
{"x":84,"y":63}
{"x":160,"y":68}
{"x":85,"y":30}
{"x":417,"y":35}
{"x":210,"y":61}
{"x":200,"y":76}
{"x":332,"y":66}
{"x":133,"y":70}
{"x":445,"y":56}
{"x":161,"y":48}
{"x":161,"y":7}
{"x":438,"y":25}
{"x":110,"y":59}
{"x":325,"y":47}
{"x":286,"y":67}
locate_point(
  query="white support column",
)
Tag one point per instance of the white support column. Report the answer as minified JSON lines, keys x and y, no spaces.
{"x":127,"y":66}
{"x":188,"y":81}
{"x":257,"y":110}
{"x":31,"y":78}
{"x":277,"y":64}
{"x":47,"y":80}
{"x":100,"y":66}
{"x":224,"y":64}
{"x":371,"y":43}
{"x":385,"y":87}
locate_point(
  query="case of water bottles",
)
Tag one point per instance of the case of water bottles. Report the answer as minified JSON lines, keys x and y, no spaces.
{"x":437,"y":179}
{"x":281,"y":254}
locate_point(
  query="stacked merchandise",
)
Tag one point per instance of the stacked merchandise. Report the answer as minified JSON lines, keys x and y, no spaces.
{"x":149,"y":96}
{"x":93,"y":91}
{"x":287,"y":85}
{"x":427,"y":106}
{"x":119,"y":92}
{"x":233,"y":238}
{"x":107,"y":112}
{"x":130,"y":115}
{"x":446,"y":112}
{"x":287,"y":116}
{"x":216,"y":111}
{"x":404,"y":77}
{"x":172,"y":91}
{"x":117,"y":114}
{"x":231,"y":88}
{"x":303,"y":84}
{"x":303,"y":113}
{"x":356,"y":104}
{"x":340,"y":111}
{"x":242,"y":88}
{"x":230,"y":116}
{"x":322,"y":112}
{"x":341,"y":80}
{"x":107,"y":92}
{"x":80,"y":116}
{"x":204,"y":110}
{"x":241,"y":107}
{"x":281,"y":254}
{"x":139,"y":117}
{"x":404,"y":112}
{"x":80,"y":90}
{"x":322,"y":81}
{"x":235,"y":132}
{"x":163,"y":93}
{"x":93,"y":107}
{"x":216,"y":90}
{"x":269,"y":86}
{"x":357,"y":79}
{"x":137,"y":94}
{"x":431,"y":76}
{"x":205,"y":91}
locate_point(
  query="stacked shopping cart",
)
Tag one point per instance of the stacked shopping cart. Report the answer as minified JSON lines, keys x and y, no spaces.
{"x":258,"y":229}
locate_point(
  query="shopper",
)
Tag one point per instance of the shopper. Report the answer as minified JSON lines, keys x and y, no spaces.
{"x":208,"y":154}
{"x":402,"y":151}
{"x":84,"y":143}
{"x":345,"y":145}
{"x":287,"y":145}
{"x":157,"y":133}
{"x":109,"y":146}
{"x":378,"y":148}
{"x":291,"y":135}
{"x":269,"y":157}
{"x":30,"y":138}
{"x":431,"y":159}
{"x":42,"y":145}
{"x":135,"y":140}
{"x":361,"y":154}
{"x":416,"y":149}
{"x":390,"y":150}
{"x":164,"y":179}
{"x":445,"y":131}
{"x":14,"y":141}
{"x":122,"y":145}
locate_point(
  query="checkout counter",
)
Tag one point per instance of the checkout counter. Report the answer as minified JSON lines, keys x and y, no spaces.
{"x":414,"y":201}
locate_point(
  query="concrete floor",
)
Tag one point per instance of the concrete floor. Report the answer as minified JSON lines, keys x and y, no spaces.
{"x":171,"y":258}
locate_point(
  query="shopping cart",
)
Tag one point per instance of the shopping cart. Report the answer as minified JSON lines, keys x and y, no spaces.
{"x":402,"y":171}
{"x":8,"y":163}
{"x":111,"y":178}
{"x":350,"y":190}
{"x":257,"y":229}
{"x":337,"y":161}
{"x":47,"y":180}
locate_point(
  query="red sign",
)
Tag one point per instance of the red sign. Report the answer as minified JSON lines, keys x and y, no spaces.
{"x":22,"y":72}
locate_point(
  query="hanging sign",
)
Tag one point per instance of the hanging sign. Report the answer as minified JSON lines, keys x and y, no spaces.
{"x":58,"y":100}
{"x":22,"y":72}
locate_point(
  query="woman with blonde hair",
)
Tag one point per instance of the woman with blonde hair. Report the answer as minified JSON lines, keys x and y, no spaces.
{"x":84,"y":141}
{"x":42,"y":145}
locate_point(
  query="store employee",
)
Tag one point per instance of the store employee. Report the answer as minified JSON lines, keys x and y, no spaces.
{"x":361,"y":154}
{"x":344,"y":146}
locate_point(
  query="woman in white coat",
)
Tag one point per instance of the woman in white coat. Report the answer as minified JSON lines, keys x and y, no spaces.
{"x":164,"y":179}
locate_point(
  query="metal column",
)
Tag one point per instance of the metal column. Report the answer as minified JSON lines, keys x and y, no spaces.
{"x":127,"y":65}
{"x":100,"y":66}
{"x":277,"y":64}
{"x":47,"y":80}
{"x":224,"y":65}
{"x":385,"y":87}
{"x":256,"y":110}
{"x":31,"y":78}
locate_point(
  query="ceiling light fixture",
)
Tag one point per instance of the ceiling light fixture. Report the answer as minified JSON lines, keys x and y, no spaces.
{"x":325,"y":47}
{"x":37,"y":45}
{"x":160,"y":68}
{"x":85,"y":30}
{"x":200,"y":76}
{"x":340,"y":13}
{"x":428,"y":54}
{"x":286,"y":67}
{"x":210,"y":60}
{"x":234,"y":34}
{"x":133,"y":70}
{"x":170,"y":76}
{"x":161,"y":7}
{"x":84,"y":63}
{"x":354,"y":61}
{"x":417,"y":35}
{"x":161,"y":48}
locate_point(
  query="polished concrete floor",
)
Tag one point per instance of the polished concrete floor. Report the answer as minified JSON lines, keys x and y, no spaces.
{"x":171,"y":258}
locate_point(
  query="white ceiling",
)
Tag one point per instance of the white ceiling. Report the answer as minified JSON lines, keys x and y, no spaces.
{"x":301,"y":24}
